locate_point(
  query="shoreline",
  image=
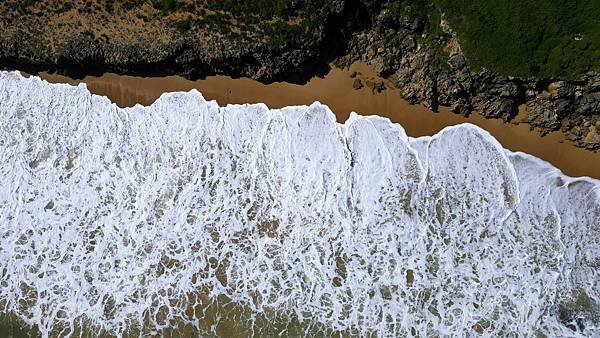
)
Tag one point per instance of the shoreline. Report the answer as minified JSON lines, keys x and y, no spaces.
{"x":426,"y":64}
{"x":336,"y":90}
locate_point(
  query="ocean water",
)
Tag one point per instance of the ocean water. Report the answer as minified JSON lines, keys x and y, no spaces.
{"x":189,"y":218}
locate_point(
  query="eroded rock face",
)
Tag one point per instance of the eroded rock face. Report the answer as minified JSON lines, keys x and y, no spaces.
{"x":134,"y":37}
{"x":187,"y":214}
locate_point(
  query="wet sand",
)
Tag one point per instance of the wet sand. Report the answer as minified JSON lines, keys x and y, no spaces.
{"x":336,"y":90}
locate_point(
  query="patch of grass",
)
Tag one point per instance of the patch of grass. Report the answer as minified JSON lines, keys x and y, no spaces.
{"x":184,"y":25}
{"x":130,"y":4}
{"x":281,"y":33}
{"x":27,"y":3}
{"x":165,"y":6}
{"x":67,"y":6}
{"x":539,"y":38}
{"x":281,"y":22}
{"x":266,"y":9}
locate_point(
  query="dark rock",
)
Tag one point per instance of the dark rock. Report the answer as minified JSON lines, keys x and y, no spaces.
{"x":49,"y":206}
{"x":379,"y":87}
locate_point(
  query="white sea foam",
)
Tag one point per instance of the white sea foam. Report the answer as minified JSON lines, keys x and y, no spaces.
{"x":117,"y":219}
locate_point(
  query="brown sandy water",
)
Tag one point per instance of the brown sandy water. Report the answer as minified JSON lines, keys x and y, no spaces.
{"x":336,"y":90}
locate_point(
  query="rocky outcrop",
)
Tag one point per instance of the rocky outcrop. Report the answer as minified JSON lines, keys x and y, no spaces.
{"x":394,"y":51}
{"x":144,"y":40}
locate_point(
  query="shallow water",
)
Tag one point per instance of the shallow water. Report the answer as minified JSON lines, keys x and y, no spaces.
{"x":242,"y":220}
{"x":336,"y":91}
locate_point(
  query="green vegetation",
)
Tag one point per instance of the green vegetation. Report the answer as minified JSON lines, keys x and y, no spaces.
{"x":165,"y":5}
{"x":27,"y":3}
{"x":281,"y":32}
{"x":428,"y":18}
{"x":540,"y":38}
{"x":537,"y":38}
{"x":266,"y":9}
{"x":184,"y":25}
{"x":281,"y":21}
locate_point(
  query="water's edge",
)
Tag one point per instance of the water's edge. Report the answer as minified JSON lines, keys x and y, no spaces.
{"x":336,"y":91}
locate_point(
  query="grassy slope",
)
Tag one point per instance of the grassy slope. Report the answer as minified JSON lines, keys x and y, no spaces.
{"x":537,"y":38}
{"x":281,"y":22}
{"x":540,"y":38}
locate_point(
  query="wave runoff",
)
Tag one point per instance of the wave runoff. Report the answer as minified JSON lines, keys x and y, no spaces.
{"x":187,"y":215}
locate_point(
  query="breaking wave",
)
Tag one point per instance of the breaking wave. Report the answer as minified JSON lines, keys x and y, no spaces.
{"x":213,"y":220}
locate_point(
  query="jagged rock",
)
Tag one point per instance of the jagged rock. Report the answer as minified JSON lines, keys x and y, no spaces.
{"x":420,"y":80}
{"x":544,"y":114}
